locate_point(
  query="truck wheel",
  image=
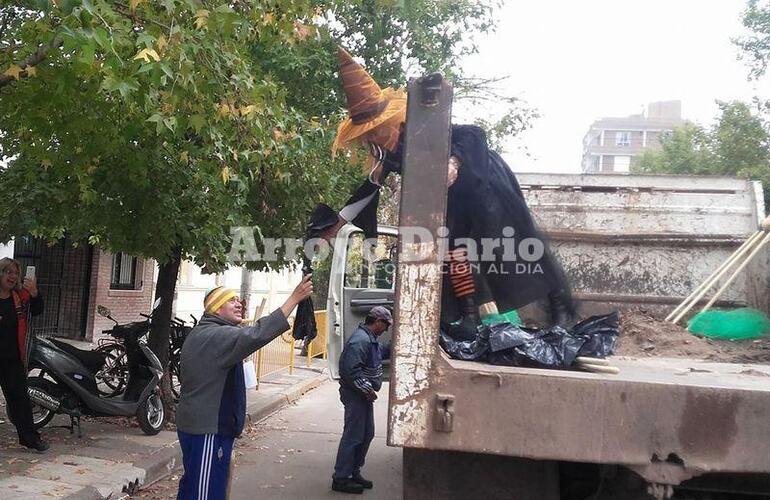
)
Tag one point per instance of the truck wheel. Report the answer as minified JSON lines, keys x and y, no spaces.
{"x":151,"y":414}
{"x":41,"y":415}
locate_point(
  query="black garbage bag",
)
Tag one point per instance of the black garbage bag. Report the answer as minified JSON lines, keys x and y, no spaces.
{"x":552,"y":347}
{"x":466,"y":350}
{"x":601,"y":335}
{"x":516,"y":346}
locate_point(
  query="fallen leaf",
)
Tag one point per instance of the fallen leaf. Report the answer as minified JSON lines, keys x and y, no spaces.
{"x":247,"y":110}
{"x":13,"y":71}
{"x":301,"y":31}
{"x":201,"y":18}
{"x":223,"y":110}
{"x":147,"y":55}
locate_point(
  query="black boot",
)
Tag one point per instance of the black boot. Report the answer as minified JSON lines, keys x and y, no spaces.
{"x":347,"y":485}
{"x":34,"y":442}
{"x":561,"y":310}
{"x":468,"y":326}
{"x":365,"y":483}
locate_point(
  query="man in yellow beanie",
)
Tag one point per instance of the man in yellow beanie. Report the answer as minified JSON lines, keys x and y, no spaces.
{"x":212,"y":404}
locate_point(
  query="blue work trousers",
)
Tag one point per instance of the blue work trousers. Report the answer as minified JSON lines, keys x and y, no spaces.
{"x":356,"y":435}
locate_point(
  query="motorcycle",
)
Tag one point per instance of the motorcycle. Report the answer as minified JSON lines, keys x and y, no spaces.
{"x":66,"y":380}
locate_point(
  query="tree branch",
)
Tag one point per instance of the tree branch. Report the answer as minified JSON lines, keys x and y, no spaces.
{"x":33,"y":59}
{"x":126,"y":11}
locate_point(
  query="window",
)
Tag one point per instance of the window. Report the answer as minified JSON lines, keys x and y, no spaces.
{"x":371,"y":266}
{"x":608,"y":163}
{"x":126,"y":270}
{"x":622,"y":138}
{"x":622,"y":164}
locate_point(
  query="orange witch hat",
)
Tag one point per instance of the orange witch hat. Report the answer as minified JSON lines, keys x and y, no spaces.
{"x":368,"y":105}
{"x":365,"y":98}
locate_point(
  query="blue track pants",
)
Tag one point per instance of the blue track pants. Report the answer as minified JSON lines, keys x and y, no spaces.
{"x":206,"y":459}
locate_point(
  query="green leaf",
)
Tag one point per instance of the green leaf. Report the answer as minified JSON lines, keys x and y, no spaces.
{"x":164,"y":67}
{"x":169,"y":5}
{"x":145,"y":68}
{"x":123,"y":86}
{"x":87,"y":52}
{"x":102,"y":37}
{"x":146,"y":40}
{"x":197,"y":122}
{"x":170,"y":123}
{"x":67,"y":6}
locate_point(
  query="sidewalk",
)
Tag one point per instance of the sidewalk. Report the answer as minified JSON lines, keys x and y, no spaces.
{"x":112,"y":461}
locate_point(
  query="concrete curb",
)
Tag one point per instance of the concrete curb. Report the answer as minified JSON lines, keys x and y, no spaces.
{"x":155,"y":468}
{"x":167,"y":458}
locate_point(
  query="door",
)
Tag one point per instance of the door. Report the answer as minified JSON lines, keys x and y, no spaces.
{"x":63,"y":275}
{"x":362,"y":276}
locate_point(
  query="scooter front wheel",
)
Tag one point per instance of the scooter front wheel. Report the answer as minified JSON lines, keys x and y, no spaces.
{"x":41,"y":416}
{"x":151,"y":414}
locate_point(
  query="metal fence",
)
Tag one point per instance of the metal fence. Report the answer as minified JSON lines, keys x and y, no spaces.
{"x":280,"y":352}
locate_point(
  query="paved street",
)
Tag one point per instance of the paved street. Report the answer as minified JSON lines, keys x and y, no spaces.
{"x":291,"y":454}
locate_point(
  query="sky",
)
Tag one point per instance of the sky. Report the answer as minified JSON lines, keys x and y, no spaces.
{"x":576,"y":62}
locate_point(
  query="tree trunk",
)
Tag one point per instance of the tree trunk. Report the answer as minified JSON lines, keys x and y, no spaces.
{"x":245,"y":290}
{"x":160,"y":331}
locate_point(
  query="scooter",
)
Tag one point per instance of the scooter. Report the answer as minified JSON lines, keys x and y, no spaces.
{"x":66,"y":383}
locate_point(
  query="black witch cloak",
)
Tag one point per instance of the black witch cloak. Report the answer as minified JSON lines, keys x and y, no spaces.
{"x":484,"y":200}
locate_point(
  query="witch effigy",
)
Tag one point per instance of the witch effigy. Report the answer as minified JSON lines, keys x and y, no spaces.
{"x":484,"y":200}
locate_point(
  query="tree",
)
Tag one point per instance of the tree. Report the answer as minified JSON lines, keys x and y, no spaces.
{"x":737,"y":145}
{"x":154,"y":127}
{"x":756,"y":45}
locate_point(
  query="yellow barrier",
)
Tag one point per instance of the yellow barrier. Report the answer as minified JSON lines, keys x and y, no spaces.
{"x":279,"y":353}
{"x":318,"y":347}
{"x":275,"y":356}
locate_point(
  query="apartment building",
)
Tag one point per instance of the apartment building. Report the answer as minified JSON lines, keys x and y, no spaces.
{"x":611,"y":144}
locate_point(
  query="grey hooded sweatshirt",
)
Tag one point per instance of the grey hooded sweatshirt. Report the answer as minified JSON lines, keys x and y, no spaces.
{"x":213,"y":394}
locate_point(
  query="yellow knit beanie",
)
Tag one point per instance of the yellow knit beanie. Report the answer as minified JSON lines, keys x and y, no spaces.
{"x":216,"y":298}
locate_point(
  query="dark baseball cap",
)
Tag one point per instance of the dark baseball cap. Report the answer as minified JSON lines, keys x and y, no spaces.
{"x":380,"y":312}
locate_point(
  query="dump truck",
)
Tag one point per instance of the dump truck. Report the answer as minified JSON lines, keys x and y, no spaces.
{"x":661,"y":427}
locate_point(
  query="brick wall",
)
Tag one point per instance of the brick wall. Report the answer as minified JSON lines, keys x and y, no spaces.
{"x":124,"y":304}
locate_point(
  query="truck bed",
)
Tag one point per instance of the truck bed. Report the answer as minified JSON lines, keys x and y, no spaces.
{"x":668,"y":419}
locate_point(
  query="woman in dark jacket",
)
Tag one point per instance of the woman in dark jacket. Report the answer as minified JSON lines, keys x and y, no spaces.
{"x":17,"y":302}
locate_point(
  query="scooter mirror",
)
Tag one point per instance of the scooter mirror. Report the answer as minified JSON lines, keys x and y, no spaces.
{"x":156,"y":303}
{"x":103,"y":311}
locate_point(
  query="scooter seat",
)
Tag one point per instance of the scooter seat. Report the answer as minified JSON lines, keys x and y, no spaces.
{"x":93,"y":360}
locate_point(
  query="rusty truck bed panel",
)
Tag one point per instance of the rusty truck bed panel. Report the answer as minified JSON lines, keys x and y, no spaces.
{"x":668,"y":419}
{"x":664,"y":371}
{"x":628,"y":240}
